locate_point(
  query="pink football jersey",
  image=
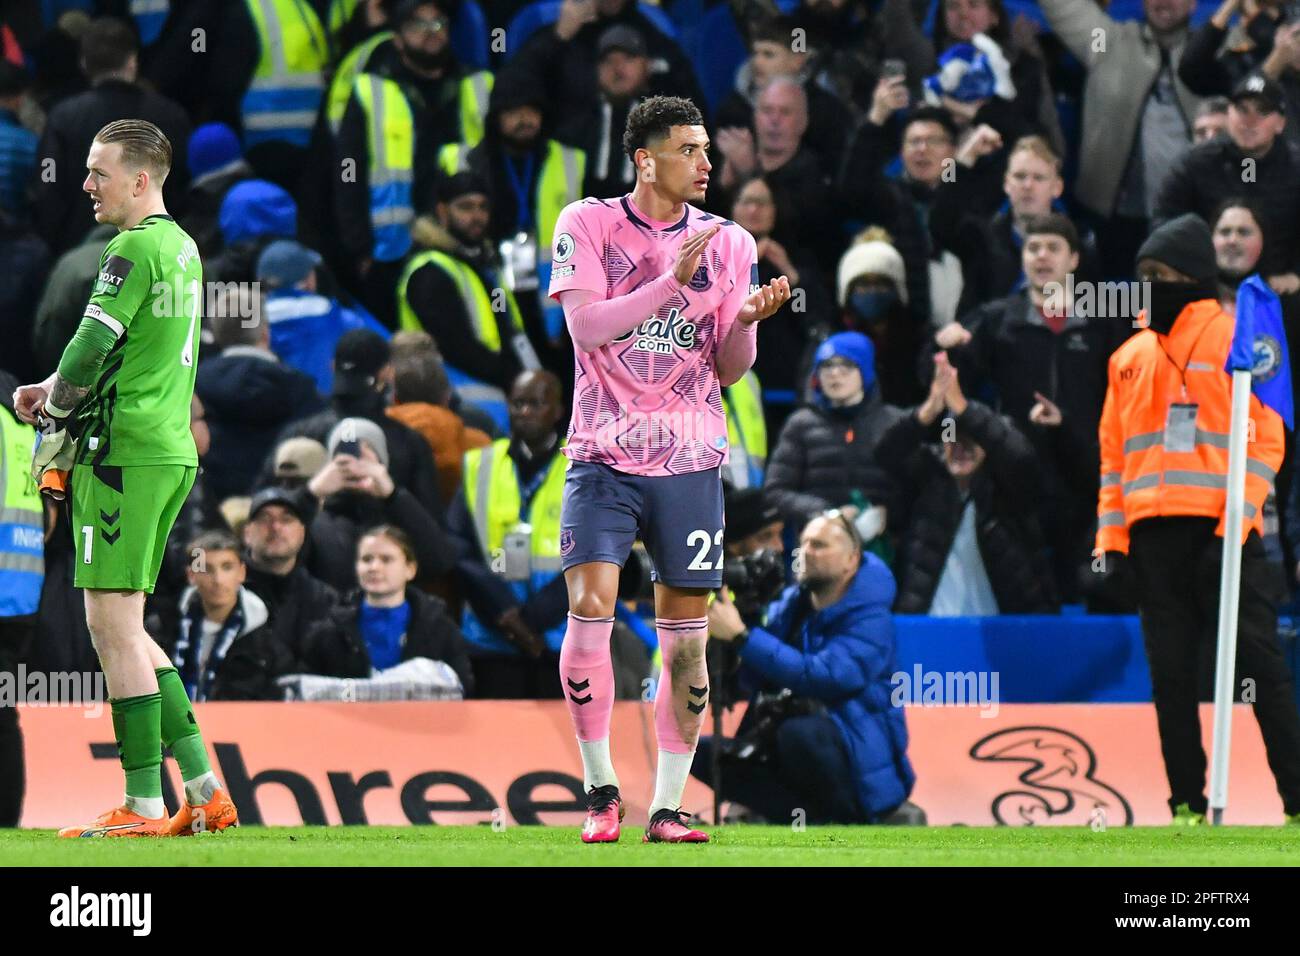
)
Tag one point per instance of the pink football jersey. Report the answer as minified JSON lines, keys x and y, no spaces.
{"x":649,"y":403}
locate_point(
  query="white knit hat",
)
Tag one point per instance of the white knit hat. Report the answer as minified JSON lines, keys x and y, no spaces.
{"x":873,"y":258}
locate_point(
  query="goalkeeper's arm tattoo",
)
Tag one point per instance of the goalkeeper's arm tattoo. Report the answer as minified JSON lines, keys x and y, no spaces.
{"x":65,"y":395}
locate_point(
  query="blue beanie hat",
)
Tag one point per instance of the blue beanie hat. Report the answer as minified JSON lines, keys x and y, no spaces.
{"x":212,"y":146}
{"x":256,"y":208}
{"x":853,"y":346}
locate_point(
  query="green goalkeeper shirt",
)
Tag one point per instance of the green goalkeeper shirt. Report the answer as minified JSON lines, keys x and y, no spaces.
{"x":147,"y":298}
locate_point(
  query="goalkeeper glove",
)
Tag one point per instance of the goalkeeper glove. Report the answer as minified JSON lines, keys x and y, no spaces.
{"x":53,"y":456}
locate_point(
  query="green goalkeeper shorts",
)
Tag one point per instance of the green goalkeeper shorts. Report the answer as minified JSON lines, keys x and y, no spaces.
{"x":121,"y":517}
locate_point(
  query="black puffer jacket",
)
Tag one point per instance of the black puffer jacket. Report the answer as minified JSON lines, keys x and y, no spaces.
{"x":1005,"y":492}
{"x":248,"y":396}
{"x":335,"y":647}
{"x":824,"y":454}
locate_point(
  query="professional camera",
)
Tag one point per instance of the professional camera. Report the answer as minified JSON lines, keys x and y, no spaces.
{"x":768,"y":711}
{"x":754,"y":580}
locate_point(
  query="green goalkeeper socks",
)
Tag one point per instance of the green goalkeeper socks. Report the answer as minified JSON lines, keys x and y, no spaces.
{"x":137,"y":726}
{"x":180,"y":734}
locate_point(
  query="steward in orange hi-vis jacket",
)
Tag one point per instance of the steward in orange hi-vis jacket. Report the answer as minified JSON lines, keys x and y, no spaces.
{"x":1164,"y":469}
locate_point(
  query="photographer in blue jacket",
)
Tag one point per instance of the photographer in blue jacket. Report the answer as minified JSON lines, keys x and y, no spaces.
{"x":823,"y":735}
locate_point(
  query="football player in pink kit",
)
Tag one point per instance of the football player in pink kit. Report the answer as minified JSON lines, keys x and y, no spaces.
{"x":662,"y":301}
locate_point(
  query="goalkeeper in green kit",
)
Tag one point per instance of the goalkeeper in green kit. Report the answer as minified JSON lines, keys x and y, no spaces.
{"x":114,"y":430}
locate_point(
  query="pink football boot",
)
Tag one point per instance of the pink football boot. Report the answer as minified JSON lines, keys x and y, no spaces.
{"x":669,"y":826}
{"x":604,"y":814}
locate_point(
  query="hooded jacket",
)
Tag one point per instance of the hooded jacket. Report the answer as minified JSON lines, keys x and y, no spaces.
{"x":844,"y":656}
{"x":248,"y":396}
{"x":825,"y":453}
{"x":253,"y":659}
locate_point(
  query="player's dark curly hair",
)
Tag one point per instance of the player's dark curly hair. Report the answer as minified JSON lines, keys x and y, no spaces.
{"x":654,"y":119}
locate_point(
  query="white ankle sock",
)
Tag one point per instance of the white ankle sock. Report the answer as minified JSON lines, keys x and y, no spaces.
{"x":150,"y":807}
{"x":670,"y":780}
{"x":597,"y":769}
{"x":199,"y":790}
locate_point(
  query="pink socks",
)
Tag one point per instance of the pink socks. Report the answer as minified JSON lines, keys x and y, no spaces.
{"x":683,"y":693}
{"x":587,"y":674}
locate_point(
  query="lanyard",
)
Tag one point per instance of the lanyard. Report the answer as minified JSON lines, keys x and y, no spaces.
{"x":526,"y":492}
{"x":1182,"y":372}
{"x":522,"y":186}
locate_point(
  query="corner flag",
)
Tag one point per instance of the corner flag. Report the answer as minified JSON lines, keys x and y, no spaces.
{"x":1259,"y":347}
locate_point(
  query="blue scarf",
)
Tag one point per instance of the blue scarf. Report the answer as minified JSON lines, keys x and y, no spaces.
{"x":384,"y":631}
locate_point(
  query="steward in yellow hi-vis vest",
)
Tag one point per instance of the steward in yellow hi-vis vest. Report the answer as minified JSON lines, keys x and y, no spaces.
{"x":506,"y":518}
{"x":407,"y":96}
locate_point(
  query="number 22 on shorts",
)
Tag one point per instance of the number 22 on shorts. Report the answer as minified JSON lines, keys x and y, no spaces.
{"x":699,"y":538}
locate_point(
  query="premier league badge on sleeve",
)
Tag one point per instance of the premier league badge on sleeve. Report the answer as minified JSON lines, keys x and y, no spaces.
{"x":563,"y":247}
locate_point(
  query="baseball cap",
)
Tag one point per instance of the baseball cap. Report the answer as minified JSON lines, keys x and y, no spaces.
{"x":275,"y":495}
{"x":285,"y":263}
{"x":1259,"y":87}
{"x":621,"y":37}
{"x":358,"y":357}
{"x":299,"y":457}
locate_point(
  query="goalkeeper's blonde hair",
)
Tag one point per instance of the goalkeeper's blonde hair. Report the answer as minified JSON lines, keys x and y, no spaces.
{"x":144,"y":146}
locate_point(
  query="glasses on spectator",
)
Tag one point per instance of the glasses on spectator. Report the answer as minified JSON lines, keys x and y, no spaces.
{"x":423,"y":25}
{"x":845,"y":522}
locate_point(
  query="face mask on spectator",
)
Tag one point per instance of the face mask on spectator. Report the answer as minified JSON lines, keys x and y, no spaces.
{"x":872,"y":306}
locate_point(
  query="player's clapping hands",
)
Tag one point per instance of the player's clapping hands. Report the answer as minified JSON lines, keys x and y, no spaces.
{"x":688,"y":256}
{"x":766,"y":301}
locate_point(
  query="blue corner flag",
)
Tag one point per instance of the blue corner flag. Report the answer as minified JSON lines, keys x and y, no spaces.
{"x":1259,"y":347}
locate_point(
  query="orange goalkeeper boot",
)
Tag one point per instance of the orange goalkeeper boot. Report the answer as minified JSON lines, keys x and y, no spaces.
{"x":121,"y":822}
{"x":214,"y":816}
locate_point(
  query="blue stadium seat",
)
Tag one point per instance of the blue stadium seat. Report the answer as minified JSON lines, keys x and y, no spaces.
{"x":543,"y":12}
{"x":469,"y":35}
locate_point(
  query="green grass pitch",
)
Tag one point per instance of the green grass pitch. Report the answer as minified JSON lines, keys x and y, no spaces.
{"x":731,"y":846}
